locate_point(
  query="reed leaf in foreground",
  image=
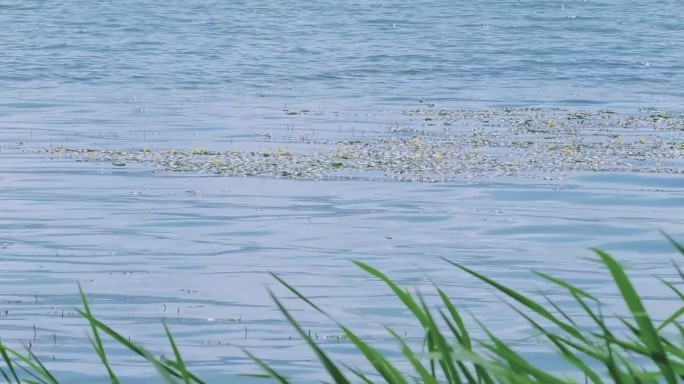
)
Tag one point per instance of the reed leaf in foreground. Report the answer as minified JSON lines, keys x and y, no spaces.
{"x":638,"y":350}
{"x":601,"y":354}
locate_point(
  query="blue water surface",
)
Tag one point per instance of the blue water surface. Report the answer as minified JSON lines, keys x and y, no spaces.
{"x":195,"y":251}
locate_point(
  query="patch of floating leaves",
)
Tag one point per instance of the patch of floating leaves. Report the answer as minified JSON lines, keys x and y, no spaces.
{"x":451,"y":145}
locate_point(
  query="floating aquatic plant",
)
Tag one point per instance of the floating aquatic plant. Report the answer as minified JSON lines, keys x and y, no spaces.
{"x":525,"y":142}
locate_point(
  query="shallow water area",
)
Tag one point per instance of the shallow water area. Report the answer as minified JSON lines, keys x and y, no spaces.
{"x":195,"y":251}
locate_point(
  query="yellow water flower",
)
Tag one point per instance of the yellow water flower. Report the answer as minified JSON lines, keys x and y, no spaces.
{"x":438,"y":157}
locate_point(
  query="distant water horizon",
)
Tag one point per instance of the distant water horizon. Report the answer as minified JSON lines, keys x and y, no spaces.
{"x":489,"y":52}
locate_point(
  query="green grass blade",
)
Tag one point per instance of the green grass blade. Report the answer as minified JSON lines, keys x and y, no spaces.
{"x":298,"y":294}
{"x":469,"y":378}
{"x":136,"y":348}
{"x":33,"y":374}
{"x":408,"y":301}
{"x":558,"y":309}
{"x":162,"y":369}
{"x":674,"y":351}
{"x":614,"y":371}
{"x":37,"y":369}
{"x":9,"y":364}
{"x":678,"y":246}
{"x":384,"y":367}
{"x":649,"y":336}
{"x":636,"y":331}
{"x":375,"y":358}
{"x":531,"y":304}
{"x":270,"y":371}
{"x":564,"y":284}
{"x":672,"y":318}
{"x":43,"y":370}
{"x":679,"y":270}
{"x":378,"y":361}
{"x":462,"y":335}
{"x":440,"y":345}
{"x":99,"y":347}
{"x":558,"y":341}
{"x":593,"y":315}
{"x":414,"y":360}
{"x":608,"y":336}
{"x":358,"y":373}
{"x":519,"y":364}
{"x":329,"y":366}
{"x":4,"y":374}
{"x":461,"y":367}
{"x":673,"y":288}
{"x":185,"y":375}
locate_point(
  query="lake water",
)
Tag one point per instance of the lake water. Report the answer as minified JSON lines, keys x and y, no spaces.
{"x":195,"y":250}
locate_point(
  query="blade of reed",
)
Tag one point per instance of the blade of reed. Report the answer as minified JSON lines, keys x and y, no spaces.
{"x":270,"y":371}
{"x":672,"y":318}
{"x":329,"y":366}
{"x":32,"y":374}
{"x":406,"y":298}
{"x":678,"y":246}
{"x":381,"y":365}
{"x":9,"y":364}
{"x":168,"y":370}
{"x":462,"y":334}
{"x":679,"y":270}
{"x":185,"y":375}
{"x":614,"y":371}
{"x":377,"y":360}
{"x":649,"y":336}
{"x":529,"y":303}
{"x":558,"y":309}
{"x":440,"y":345}
{"x":469,"y":378}
{"x":43,"y":370}
{"x":413,"y":359}
{"x":37,"y":369}
{"x":299,"y":294}
{"x":564,"y":284}
{"x":676,"y":352}
{"x":97,"y":345}
{"x":4,"y":374}
{"x":558,"y":341}
{"x":358,"y":373}
{"x":463,"y":337}
{"x":518,"y":363}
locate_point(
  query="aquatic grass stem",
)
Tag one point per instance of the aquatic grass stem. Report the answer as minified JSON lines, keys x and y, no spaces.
{"x":450,"y":354}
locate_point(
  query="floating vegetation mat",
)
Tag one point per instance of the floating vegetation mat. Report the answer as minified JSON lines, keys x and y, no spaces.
{"x":446,"y":145}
